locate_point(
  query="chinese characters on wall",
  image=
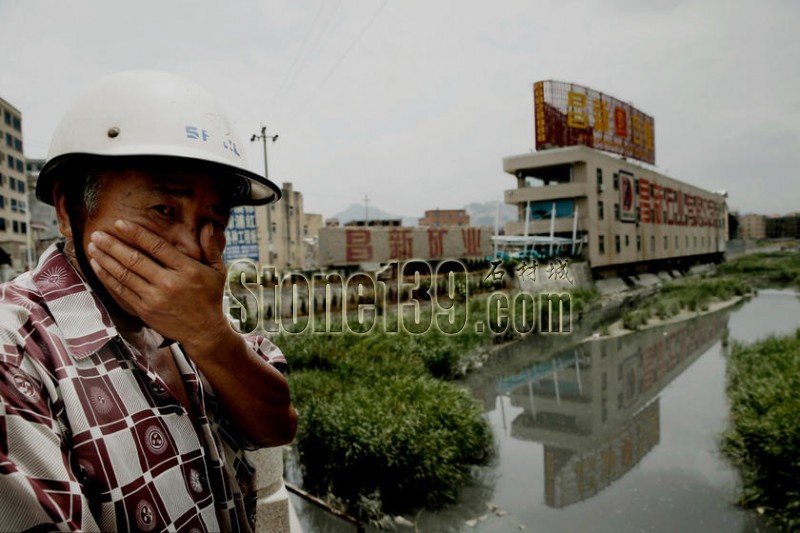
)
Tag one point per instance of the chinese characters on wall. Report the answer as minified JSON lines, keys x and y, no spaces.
{"x":567,"y":114}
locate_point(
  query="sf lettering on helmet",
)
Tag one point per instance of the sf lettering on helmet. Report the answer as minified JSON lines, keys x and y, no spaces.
{"x":193,"y":133}
{"x":136,"y":114}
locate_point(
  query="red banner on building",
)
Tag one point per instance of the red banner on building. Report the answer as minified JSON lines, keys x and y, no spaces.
{"x":568,"y":114}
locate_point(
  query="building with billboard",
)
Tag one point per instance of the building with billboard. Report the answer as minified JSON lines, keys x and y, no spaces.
{"x":618,"y":214}
{"x":274,"y":235}
{"x":13,"y":188}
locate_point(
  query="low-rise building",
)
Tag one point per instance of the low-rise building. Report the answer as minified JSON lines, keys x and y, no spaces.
{"x":43,"y":222}
{"x":783,"y":226}
{"x":445,"y":217}
{"x":753,"y":227}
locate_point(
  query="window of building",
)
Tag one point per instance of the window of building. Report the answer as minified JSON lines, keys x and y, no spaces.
{"x":23,"y":227}
{"x":7,"y":117}
{"x":676,"y":242}
{"x":652,"y":243}
{"x":636,"y":186}
{"x":638,"y":243}
{"x":274,"y":227}
{"x":600,"y":210}
{"x":601,"y":244}
{"x":305,"y":230}
{"x":291,"y":210}
{"x":544,"y":210}
{"x":14,"y":205}
{"x":2,"y":202}
{"x":627,"y":241}
{"x":2,"y":224}
{"x":666,"y":242}
{"x":616,"y":243}
{"x":20,"y":166}
{"x":10,"y":161}
{"x":9,"y":141}
{"x":600,"y":180}
{"x":20,"y":185}
{"x":17,"y":123}
{"x":22,"y":206}
{"x":15,"y":226}
{"x":616,"y":181}
{"x":616,"y":212}
{"x":12,"y":183}
{"x":18,"y":145}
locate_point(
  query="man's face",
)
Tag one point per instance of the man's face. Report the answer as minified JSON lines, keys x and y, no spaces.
{"x":175,"y":207}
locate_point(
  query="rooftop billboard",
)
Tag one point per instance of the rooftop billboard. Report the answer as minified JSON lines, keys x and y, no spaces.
{"x":568,"y":114}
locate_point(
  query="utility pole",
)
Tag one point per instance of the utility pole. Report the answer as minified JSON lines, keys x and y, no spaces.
{"x":263,"y":137}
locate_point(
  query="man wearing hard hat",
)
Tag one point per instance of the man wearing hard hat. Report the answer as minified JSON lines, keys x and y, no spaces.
{"x":126,"y":397}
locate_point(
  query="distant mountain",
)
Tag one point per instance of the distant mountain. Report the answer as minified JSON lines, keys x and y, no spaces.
{"x":356,"y":212}
{"x":480,"y":214}
{"x":483,"y":214}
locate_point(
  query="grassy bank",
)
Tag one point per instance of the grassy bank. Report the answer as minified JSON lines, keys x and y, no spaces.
{"x":765,"y":269}
{"x":381,"y":429}
{"x":385,"y":427}
{"x":686,"y":295}
{"x":763,"y":438}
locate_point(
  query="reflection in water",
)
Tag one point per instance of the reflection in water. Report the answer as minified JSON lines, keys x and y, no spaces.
{"x":596,"y":408}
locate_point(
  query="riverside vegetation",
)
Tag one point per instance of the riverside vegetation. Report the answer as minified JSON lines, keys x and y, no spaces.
{"x":384,"y":426}
{"x":763,"y":436}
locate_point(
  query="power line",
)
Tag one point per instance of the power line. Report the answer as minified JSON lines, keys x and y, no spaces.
{"x":301,"y":49}
{"x":342,"y":58}
{"x":314,"y":45}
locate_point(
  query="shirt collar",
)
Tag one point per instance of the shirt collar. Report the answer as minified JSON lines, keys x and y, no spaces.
{"x":75,"y":308}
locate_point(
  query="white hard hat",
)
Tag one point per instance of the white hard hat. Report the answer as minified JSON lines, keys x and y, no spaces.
{"x":143,"y":113}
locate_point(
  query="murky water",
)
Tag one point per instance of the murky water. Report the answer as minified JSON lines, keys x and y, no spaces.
{"x":615,"y":434}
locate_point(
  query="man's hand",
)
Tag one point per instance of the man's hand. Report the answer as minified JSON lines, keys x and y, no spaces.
{"x":174,"y":294}
{"x":181,"y":298}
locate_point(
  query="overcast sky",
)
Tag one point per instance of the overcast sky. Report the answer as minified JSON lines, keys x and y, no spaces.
{"x":415,"y":102}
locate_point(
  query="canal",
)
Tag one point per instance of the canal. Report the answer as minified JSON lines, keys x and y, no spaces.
{"x":614,"y":434}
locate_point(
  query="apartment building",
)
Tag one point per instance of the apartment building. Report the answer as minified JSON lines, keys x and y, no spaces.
{"x":13,"y":189}
{"x":753,"y":227}
{"x":625,"y":216}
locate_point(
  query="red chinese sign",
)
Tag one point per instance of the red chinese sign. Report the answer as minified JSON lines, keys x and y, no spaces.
{"x":568,"y":114}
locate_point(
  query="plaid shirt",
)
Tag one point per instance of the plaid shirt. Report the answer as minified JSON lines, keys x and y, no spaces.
{"x":90,"y":437}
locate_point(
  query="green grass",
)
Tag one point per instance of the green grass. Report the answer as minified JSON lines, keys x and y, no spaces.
{"x":763,"y":438}
{"x":383,"y":426}
{"x":690,"y":294}
{"x":387,"y":438}
{"x":781,"y":268}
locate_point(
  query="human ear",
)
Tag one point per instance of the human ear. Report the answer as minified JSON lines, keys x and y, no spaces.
{"x":60,"y":203}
